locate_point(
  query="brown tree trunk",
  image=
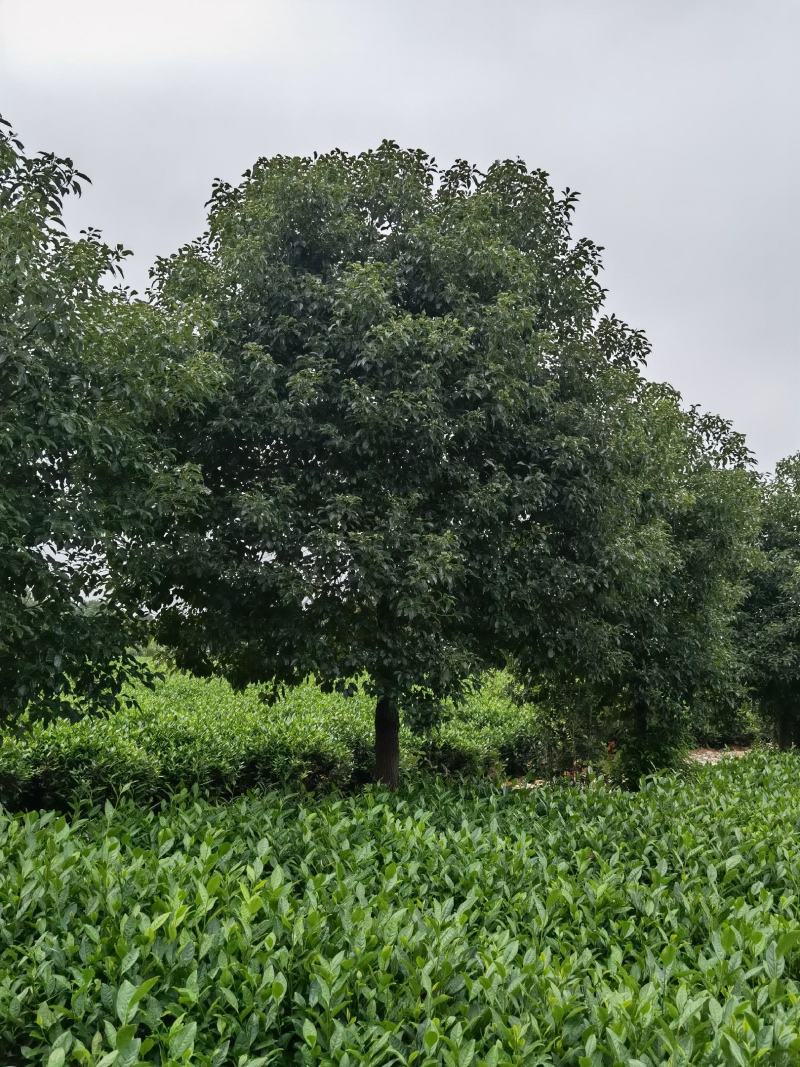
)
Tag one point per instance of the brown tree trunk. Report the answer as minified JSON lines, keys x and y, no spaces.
{"x":387,"y":742}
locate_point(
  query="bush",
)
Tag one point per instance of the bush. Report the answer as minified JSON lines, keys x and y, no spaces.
{"x":456,"y":924}
{"x":491,"y":732}
{"x":190,"y":731}
{"x":741,"y":724}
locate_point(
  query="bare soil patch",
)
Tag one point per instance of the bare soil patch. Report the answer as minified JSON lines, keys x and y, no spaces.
{"x":716,"y":755}
{"x":696,"y":755}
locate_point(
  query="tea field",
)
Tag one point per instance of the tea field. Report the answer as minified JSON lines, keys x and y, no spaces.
{"x":452,"y":923}
{"x":189,"y":731}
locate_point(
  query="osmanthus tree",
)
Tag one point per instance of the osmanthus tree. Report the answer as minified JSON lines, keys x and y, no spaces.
{"x":698,"y":500}
{"x":418,"y":461}
{"x":770,"y":618}
{"x":671,"y":651}
{"x":85,"y":376}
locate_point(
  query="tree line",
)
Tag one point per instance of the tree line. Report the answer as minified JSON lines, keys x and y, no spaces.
{"x":373,"y":422}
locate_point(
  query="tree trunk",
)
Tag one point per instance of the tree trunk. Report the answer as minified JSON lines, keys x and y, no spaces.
{"x":639,"y":719}
{"x":786,"y":729}
{"x":387,"y":742}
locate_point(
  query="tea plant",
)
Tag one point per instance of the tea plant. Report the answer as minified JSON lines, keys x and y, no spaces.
{"x":451,"y":925}
{"x":191,"y":731}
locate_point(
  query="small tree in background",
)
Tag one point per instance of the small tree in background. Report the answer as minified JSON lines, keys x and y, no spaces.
{"x":85,"y":375}
{"x":680,"y":640}
{"x":672,"y":644}
{"x":418,"y":462}
{"x":770,"y":620}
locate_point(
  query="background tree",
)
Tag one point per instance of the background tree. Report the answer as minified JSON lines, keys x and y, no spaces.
{"x":671,"y":616}
{"x":679,"y":638}
{"x":85,"y":374}
{"x":770,"y":619}
{"x":418,"y":462}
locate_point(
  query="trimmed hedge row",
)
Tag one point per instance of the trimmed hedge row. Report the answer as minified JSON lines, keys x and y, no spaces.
{"x":199,"y":732}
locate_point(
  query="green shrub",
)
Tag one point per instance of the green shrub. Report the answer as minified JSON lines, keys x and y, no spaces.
{"x":192,"y":731}
{"x":452,"y":924}
{"x":71,"y":761}
{"x":488,"y":733}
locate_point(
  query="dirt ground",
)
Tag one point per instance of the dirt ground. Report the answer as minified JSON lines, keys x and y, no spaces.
{"x":696,"y":755}
{"x":714,"y":755}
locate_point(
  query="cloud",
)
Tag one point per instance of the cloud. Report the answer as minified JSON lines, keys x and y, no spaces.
{"x":675,"y":120}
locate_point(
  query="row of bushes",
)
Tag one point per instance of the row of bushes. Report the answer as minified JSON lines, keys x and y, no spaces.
{"x":189,"y":731}
{"x":456,"y":924}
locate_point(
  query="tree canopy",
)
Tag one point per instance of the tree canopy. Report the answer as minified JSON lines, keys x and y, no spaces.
{"x":373,"y":424}
{"x":696,"y":499}
{"x":85,"y":377}
{"x":419,"y":461}
{"x":770,"y":621}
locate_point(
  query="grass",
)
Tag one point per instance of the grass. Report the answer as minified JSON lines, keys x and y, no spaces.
{"x":452,"y":924}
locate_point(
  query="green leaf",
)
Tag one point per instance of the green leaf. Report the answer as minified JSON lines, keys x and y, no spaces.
{"x":734,"y":1049}
{"x":182,"y":1041}
{"x":125,"y":995}
{"x":309,"y":1033}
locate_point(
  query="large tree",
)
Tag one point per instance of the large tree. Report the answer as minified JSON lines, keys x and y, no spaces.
{"x":86,"y":374}
{"x":770,"y":620}
{"x":419,"y":461}
{"x":671,"y":652}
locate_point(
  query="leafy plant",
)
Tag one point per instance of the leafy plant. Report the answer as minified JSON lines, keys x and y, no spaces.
{"x":456,"y":924}
{"x":85,"y":374}
{"x":199,"y":732}
{"x":675,"y":649}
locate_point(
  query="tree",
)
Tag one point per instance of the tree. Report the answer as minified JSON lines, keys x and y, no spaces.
{"x":671,"y":649}
{"x":85,"y":374}
{"x":699,"y":501}
{"x":417,"y":463}
{"x":770,"y":619}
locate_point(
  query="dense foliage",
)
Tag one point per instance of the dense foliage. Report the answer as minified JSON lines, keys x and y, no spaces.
{"x":371,"y":447}
{"x":676,"y":654}
{"x":372,"y":424}
{"x":198,"y":732}
{"x":770,"y":621}
{"x":419,"y":460}
{"x":416,"y":451}
{"x":455,"y":925}
{"x":85,"y":377}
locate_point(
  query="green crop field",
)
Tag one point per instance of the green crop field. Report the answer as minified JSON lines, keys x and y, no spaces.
{"x":198,"y":732}
{"x":450,"y":924}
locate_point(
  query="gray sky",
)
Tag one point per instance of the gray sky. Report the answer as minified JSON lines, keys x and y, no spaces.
{"x":676,"y":119}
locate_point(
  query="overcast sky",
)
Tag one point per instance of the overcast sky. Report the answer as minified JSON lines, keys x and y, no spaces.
{"x":678,"y":120}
